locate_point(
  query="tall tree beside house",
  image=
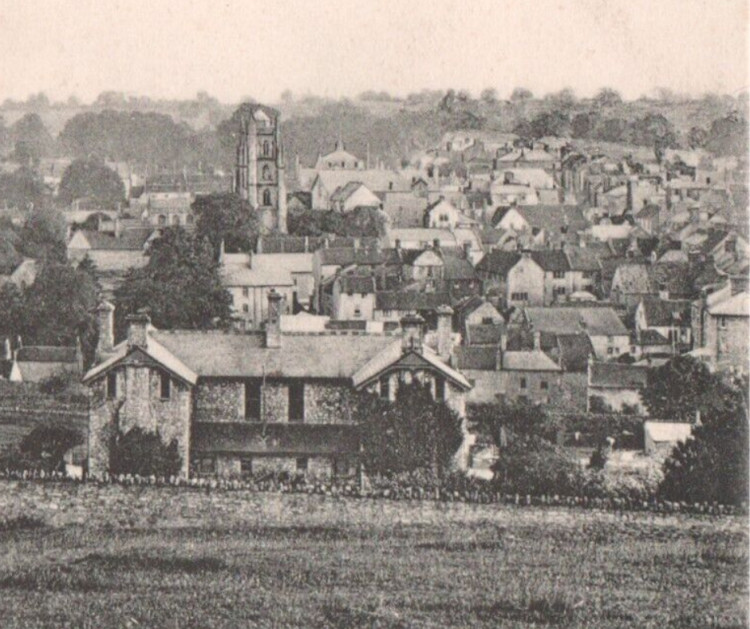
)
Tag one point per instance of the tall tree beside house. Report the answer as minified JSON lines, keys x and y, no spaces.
{"x":555,"y":123}
{"x":22,"y":188}
{"x":180,"y":286}
{"x":60,"y":307}
{"x":91,"y":178}
{"x":653,"y":130}
{"x":31,"y":140}
{"x":9,"y":256}
{"x":12,"y":310}
{"x":415,"y":432}
{"x":43,"y":235}
{"x":728,"y":136}
{"x":226,"y":218}
{"x":583,"y":124}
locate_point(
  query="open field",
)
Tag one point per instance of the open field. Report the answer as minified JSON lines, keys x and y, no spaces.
{"x":497,"y":566}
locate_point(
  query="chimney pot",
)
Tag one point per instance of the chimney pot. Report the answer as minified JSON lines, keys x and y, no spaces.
{"x":273,"y":325}
{"x":413,"y":330}
{"x":105,"y":315}
{"x":138,"y":325}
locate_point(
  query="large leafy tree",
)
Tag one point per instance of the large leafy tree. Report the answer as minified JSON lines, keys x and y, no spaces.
{"x":713,"y":464}
{"x":554,"y":123}
{"x":653,"y":130}
{"x":22,"y":189}
{"x":31,"y":139}
{"x":43,"y":235}
{"x":180,"y":286}
{"x":414,"y":432}
{"x":60,"y":308}
{"x":607,"y":97}
{"x":226,"y":217}
{"x":144,"y":453}
{"x":91,"y":178}
{"x":728,"y":136}
{"x":46,"y":445}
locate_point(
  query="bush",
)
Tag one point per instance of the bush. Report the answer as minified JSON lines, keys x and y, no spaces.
{"x":45,"y":447}
{"x":145,"y":454}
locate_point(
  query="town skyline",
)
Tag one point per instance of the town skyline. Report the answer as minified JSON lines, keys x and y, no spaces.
{"x":334,"y":54}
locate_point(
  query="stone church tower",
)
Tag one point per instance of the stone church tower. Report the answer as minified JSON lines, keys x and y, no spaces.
{"x":259,"y":169}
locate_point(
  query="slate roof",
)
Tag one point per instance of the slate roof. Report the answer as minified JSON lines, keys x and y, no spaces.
{"x":736,"y":306}
{"x":346,"y":256}
{"x":664,"y":313}
{"x":498,"y":262}
{"x":667,"y":432}
{"x":583,"y":259}
{"x":528,"y":360}
{"x":375,"y":180}
{"x":483,"y":358}
{"x":674,"y":277}
{"x":634,"y":278}
{"x":573,"y":320}
{"x":552,"y":218}
{"x":618,"y":376}
{"x":129,"y":240}
{"x":410,"y":300}
{"x":653,"y":337}
{"x":46,"y":354}
{"x":551,"y":259}
{"x":456,"y":267}
{"x":484,"y":334}
{"x":362,"y":284}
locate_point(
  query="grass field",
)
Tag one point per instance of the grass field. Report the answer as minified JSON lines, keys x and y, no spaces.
{"x":526,"y":569}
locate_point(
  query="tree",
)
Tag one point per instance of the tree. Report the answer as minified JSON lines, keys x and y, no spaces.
{"x":521,"y":94}
{"x":226,"y":217}
{"x":653,"y":130}
{"x":91,"y":178}
{"x":564,"y":99}
{"x":697,"y":137}
{"x":304,"y":223}
{"x":31,"y":139}
{"x":46,"y":445}
{"x":607,"y":97}
{"x":9,"y":256}
{"x":554,"y":123}
{"x":143,"y":453}
{"x":728,"y":136}
{"x":489,"y":96}
{"x":363,"y":222}
{"x":180,"y":286}
{"x":583,"y":125}
{"x":413,"y":432}
{"x":60,"y":308}
{"x":12,"y":310}
{"x":43,"y":235}
{"x":611,"y":130}
{"x":22,"y":189}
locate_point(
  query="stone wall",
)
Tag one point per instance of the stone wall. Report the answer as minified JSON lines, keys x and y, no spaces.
{"x":276,"y":402}
{"x":219,"y":401}
{"x":327,"y":403}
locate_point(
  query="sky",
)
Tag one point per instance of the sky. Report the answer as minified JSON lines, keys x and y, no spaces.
{"x":334,"y":48}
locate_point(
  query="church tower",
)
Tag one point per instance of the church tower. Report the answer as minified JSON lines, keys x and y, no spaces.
{"x":259,"y":169}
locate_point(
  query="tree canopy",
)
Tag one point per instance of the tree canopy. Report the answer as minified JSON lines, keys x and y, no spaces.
{"x":31,"y":139}
{"x":226,"y":217}
{"x":180,"y":286}
{"x":91,"y":178}
{"x":43,"y":235}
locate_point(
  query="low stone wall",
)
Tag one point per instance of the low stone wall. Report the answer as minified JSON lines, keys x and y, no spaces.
{"x":127,"y":506}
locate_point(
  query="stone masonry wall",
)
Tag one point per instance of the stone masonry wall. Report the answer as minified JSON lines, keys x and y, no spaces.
{"x":276,"y":402}
{"x":327,"y":403}
{"x":219,"y":401}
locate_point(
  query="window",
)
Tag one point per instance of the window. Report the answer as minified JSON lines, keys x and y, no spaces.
{"x":439,"y":388}
{"x":487,"y":321}
{"x":519,"y":296}
{"x":301,"y":464}
{"x":558,"y":275}
{"x":543,"y":385}
{"x":266,"y":197}
{"x":385,"y":388}
{"x":207,"y":465}
{"x":253,"y":392}
{"x":266,"y":173}
{"x":722,"y":322}
{"x":111,"y":385}
{"x":523,"y":383}
{"x":266,"y":149}
{"x":342,"y":467}
{"x":246,"y":466}
{"x":245,"y":291}
{"x":610,"y":351}
{"x":296,"y":402}
{"x":558,"y":290}
{"x":165,"y":386}
{"x":245,"y":307}
{"x":357,"y":312}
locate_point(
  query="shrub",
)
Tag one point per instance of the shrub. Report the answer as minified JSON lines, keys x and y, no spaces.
{"x":144,"y":453}
{"x":599,"y":457}
{"x":45,"y":446}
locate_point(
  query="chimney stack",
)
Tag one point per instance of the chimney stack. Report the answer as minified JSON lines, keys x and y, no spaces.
{"x":138,"y":325}
{"x":444,"y":332}
{"x":413,"y":329}
{"x":105,"y":316}
{"x":537,"y":335}
{"x":273,"y":325}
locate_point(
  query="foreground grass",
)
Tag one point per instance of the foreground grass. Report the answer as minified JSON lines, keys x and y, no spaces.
{"x":596,"y":573}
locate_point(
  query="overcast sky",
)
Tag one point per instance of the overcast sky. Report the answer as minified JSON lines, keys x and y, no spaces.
{"x":174,"y":48}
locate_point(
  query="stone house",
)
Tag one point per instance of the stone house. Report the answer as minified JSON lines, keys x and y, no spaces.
{"x":353,"y":195}
{"x":669,"y":319}
{"x":36,"y":363}
{"x":242,"y":403}
{"x":725,"y":321}
{"x":616,"y":385}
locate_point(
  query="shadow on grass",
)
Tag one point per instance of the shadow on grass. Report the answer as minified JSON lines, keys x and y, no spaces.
{"x":127,"y":563}
{"x":461,"y":546}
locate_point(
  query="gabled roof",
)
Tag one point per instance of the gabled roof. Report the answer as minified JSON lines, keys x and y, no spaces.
{"x":498,"y":262}
{"x":573,"y":320}
{"x":375,"y":180}
{"x":347,"y":256}
{"x":129,"y":240}
{"x":353,"y":284}
{"x":154,"y":350}
{"x":652,"y":338}
{"x":583,"y":259}
{"x":664,"y":313}
{"x":574,"y":351}
{"x":456,"y":267}
{"x":479,"y":357}
{"x":528,"y":360}
{"x":46,"y":354}
{"x":551,"y":259}
{"x":484,"y":334}
{"x":394,"y":354}
{"x":618,"y":376}
{"x":410,"y":300}
{"x":735,"y":306}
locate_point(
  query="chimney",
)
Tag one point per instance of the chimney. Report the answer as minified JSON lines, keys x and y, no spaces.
{"x":503,"y":342}
{"x":273,"y":325}
{"x":222,"y":252}
{"x":436,"y":243}
{"x":398,"y":244}
{"x":413,"y":329}
{"x":739,"y":284}
{"x":537,"y":335}
{"x":444,"y":332}
{"x":138,"y":325}
{"x":7,"y":353}
{"x":118,"y":227}
{"x":105,"y":317}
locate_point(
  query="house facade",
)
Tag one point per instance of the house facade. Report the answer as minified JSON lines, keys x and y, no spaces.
{"x":238,"y":404}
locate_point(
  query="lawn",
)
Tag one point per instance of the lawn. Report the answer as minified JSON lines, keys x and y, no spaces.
{"x":524,"y":567}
